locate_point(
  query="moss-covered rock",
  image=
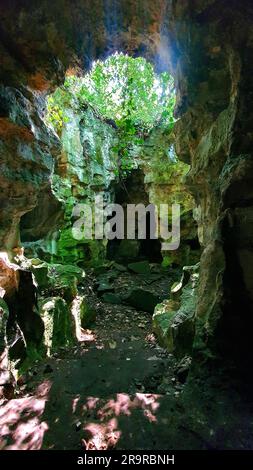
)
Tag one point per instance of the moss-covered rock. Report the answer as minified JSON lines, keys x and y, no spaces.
{"x":140,"y":267}
{"x":87,"y":166}
{"x":174,"y":320}
{"x":142,"y":299}
{"x":83,"y":313}
{"x":58,"y":323}
{"x":58,"y":277}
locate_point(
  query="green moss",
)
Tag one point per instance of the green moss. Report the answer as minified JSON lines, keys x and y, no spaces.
{"x":58,"y":323}
{"x":174,"y":320}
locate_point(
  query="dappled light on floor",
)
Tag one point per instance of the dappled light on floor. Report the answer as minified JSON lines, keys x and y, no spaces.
{"x":104,"y":432}
{"x":101,"y":436}
{"x":21,"y":427}
{"x":86,"y":336}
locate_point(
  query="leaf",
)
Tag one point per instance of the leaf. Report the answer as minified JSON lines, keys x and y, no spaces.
{"x":124,"y":89}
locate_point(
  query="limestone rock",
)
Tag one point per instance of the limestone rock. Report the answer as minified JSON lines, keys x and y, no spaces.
{"x":88,"y":315}
{"x":111,"y":298}
{"x":58,"y":277}
{"x":104,"y":287}
{"x":58,"y":323}
{"x":140,"y":267}
{"x":142,"y":300}
{"x":214,"y":133}
{"x":174,"y":320}
{"x":83,"y":313}
{"x":9,"y":276}
{"x":120,"y":267}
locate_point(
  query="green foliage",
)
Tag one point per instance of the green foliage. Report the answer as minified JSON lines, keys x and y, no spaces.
{"x":128,"y":91}
{"x":125,"y":90}
{"x":56,"y":106}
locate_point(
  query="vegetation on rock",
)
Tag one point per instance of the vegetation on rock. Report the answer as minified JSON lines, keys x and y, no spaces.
{"x":123,"y":91}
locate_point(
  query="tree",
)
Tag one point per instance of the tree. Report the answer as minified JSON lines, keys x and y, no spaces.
{"x":123,"y":89}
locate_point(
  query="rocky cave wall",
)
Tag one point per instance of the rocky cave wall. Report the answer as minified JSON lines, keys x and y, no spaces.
{"x":207,"y":44}
{"x":213,"y":46}
{"x":86,"y":167}
{"x":89,"y":165}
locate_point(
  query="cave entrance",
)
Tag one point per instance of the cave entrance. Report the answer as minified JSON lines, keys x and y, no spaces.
{"x":116,"y":125}
{"x":132,"y":190}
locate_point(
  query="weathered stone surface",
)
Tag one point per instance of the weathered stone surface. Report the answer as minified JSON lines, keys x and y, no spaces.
{"x":174,"y":320}
{"x":84,"y":314}
{"x":4,"y":315}
{"x":28,"y":147}
{"x":58,"y":323}
{"x":86,"y":167}
{"x":164,"y":180}
{"x":63,"y":32}
{"x":142,"y":300}
{"x":41,"y":222}
{"x":104,"y":287}
{"x":58,"y":277}
{"x":211,"y":61}
{"x":176,"y":289}
{"x":9,"y":276}
{"x":140,"y":267}
{"x":214,"y":133}
{"x":87,"y":314}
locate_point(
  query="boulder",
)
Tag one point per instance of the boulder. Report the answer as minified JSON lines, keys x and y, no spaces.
{"x":174,"y":320}
{"x":174,"y":330}
{"x":104,"y":287}
{"x":140,"y":267}
{"x":101,"y":269}
{"x":111,"y":298}
{"x":142,"y":299}
{"x":58,"y":323}
{"x":120,"y":267}
{"x":83,"y":313}
{"x":87,"y":314}
{"x":64,"y":278}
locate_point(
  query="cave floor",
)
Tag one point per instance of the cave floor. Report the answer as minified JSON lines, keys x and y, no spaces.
{"x":117,"y":389}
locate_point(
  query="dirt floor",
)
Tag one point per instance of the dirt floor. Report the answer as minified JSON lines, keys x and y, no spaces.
{"x":117,"y":389}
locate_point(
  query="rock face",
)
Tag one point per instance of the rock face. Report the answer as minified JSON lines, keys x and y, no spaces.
{"x":58,"y":324}
{"x":85,"y":168}
{"x":27,"y":149}
{"x":213,"y":44}
{"x":142,"y":300}
{"x":174,"y":319}
{"x":208,"y":45}
{"x":164,"y":180}
{"x":4,"y":315}
{"x":89,"y":166}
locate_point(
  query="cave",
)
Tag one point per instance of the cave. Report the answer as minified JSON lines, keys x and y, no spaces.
{"x":132,"y":191}
{"x":102,"y":337}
